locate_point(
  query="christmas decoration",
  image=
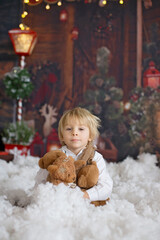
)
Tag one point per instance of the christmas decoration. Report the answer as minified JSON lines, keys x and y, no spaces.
{"x":104,"y":100}
{"x":63,"y":15}
{"x":17,"y":133}
{"x":74,"y":33}
{"x":17,"y":83}
{"x":18,"y":86}
{"x":151,"y":77}
{"x":145,"y":102}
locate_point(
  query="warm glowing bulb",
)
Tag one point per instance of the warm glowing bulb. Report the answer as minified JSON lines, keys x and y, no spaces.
{"x":47,"y":6}
{"x":59,"y":3}
{"x":121,"y":2}
{"x":104,"y":2}
{"x":26,"y":1}
{"x":24,"y":14}
{"x":21,"y":26}
{"x":127,"y":106}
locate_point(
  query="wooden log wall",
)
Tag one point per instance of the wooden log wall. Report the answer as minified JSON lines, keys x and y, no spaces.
{"x":76,"y":60}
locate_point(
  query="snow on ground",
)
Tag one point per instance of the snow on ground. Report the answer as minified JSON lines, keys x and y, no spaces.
{"x":59,"y":212}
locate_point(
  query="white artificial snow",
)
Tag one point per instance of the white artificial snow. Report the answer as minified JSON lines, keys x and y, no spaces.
{"x":60,"y":213}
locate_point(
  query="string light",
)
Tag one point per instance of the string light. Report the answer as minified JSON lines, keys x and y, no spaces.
{"x":24,"y":14}
{"x":127,"y":106}
{"x":59,"y":3}
{"x":121,"y":2}
{"x":48,"y":7}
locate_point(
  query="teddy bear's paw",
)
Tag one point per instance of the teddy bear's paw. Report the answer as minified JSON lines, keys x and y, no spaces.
{"x":82,"y":182}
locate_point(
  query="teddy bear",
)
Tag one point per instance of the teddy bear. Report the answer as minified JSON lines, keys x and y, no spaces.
{"x":83,"y":172}
{"x":60,"y":167}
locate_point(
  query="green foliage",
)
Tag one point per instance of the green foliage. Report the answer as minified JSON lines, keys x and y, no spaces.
{"x":18,"y":133}
{"x":152,"y":48}
{"x":144,"y":103}
{"x":17,"y":83}
{"x":104,"y":100}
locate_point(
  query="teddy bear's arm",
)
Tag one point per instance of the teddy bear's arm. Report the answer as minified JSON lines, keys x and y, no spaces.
{"x":79,"y":164}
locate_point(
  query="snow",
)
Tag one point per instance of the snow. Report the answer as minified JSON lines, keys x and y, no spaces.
{"x":59,"y":212}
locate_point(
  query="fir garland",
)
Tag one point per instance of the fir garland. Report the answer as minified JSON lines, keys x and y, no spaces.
{"x":17,"y":83}
{"x":144,"y":103}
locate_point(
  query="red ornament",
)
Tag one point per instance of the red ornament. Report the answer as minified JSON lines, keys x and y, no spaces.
{"x":75,"y":33}
{"x":151,"y":76}
{"x":63,"y":15}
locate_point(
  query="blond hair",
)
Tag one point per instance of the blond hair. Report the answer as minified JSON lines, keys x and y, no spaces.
{"x":82,"y":115}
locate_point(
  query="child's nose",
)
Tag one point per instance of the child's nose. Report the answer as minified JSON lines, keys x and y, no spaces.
{"x":74,"y":132}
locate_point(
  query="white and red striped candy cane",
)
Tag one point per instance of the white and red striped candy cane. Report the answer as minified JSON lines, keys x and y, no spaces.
{"x":19,"y":110}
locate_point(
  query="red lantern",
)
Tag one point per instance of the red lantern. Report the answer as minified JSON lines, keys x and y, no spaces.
{"x":151,"y":77}
{"x":63,"y":15}
{"x":75,"y":33}
{"x":23,"y":41}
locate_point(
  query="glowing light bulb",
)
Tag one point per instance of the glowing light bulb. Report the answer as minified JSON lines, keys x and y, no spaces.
{"x":21,"y":25}
{"x":127,"y":106}
{"x":59,"y":3}
{"x":24,"y":14}
{"x":121,"y":2}
{"x":48,"y":7}
{"x":26,"y":1}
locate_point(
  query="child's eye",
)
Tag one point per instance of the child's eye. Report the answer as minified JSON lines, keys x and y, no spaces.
{"x":68,"y":129}
{"x":81,"y":129}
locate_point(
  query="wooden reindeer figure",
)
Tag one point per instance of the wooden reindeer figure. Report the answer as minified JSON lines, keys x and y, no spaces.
{"x":49,"y":113}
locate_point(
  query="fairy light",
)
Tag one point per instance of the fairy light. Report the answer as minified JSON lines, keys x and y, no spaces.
{"x":127,"y":106}
{"x":48,"y":7}
{"x":24,"y":14}
{"x":121,"y":2}
{"x":59,"y":3}
{"x":26,"y":1}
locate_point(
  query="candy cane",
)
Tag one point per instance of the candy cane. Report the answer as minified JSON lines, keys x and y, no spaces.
{"x":19,"y":110}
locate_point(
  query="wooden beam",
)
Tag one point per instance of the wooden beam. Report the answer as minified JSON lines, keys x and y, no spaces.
{"x":139,"y":42}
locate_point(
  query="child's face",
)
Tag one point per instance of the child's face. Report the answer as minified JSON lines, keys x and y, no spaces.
{"x":76,"y":135}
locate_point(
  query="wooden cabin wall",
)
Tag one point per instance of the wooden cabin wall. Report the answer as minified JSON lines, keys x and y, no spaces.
{"x":75,"y":60}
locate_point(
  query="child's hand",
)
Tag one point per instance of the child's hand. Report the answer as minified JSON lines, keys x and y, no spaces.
{"x":86,"y":195}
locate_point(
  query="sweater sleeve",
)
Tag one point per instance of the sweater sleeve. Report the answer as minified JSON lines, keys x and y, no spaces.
{"x":103,"y":189}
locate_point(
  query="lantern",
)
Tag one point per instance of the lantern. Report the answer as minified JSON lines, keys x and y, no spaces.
{"x":151,"y":77}
{"x":63,"y":15}
{"x":23,"y":43}
{"x":74,"y":33}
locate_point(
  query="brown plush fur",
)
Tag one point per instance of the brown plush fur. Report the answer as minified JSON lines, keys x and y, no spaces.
{"x":62,"y":170}
{"x":60,"y":167}
{"x":50,"y":157}
{"x":88,"y":176}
